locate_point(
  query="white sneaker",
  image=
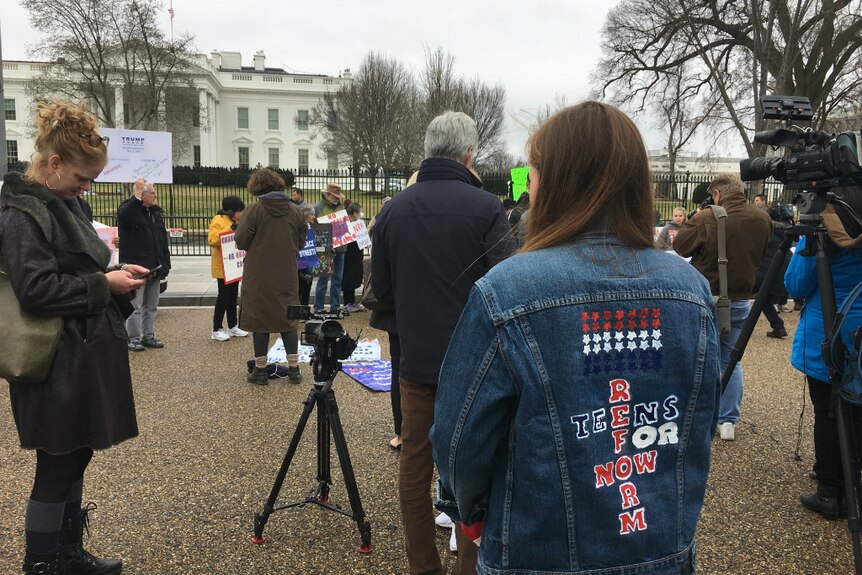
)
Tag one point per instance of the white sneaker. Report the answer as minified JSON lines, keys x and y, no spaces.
{"x":235,"y":331}
{"x":444,"y":521}
{"x":453,"y":543}
{"x":220,"y":335}
{"x":726,"y":430}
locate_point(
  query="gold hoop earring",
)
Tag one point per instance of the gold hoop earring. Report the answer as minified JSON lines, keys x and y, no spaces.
{"x":59,"y":179}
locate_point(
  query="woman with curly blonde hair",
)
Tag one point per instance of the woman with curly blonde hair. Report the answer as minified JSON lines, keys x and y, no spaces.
{"x":56,"y":265}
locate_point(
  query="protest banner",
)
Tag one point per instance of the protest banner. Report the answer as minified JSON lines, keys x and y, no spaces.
{"x":519,"y":181}
{"x":232,"y":258}
{"x":134,"y":154}
{"x":358,"y":229}
{"x":342,"y":233}
{"x":323,"y":247}
{"x":307,"y":257}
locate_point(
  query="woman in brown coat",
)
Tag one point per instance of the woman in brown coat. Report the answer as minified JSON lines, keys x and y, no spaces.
{"x":271,"y":232}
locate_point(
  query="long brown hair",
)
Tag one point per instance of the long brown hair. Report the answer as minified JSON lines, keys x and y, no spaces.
{"x":593,"y":174}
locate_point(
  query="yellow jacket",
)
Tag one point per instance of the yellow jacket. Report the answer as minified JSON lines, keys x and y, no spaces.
{"x":218,"y":225}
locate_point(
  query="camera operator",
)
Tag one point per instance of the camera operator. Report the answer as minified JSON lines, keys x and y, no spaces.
{"x":747,"y":233}
{"x":845,"y":256}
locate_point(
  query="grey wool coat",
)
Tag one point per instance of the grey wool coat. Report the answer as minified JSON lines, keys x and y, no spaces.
{"x":271,"y":232}
{"x":56,"y":265}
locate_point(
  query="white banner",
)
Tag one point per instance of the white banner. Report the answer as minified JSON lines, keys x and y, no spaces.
{"x":134,"y":154}
{"x":342,"y":232}
{"x":363,"y":240}
{"x":232,"y":258}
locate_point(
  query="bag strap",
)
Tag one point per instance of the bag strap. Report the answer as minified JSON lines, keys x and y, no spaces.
{"x":720,"y":218}
{"x":835,"y":344}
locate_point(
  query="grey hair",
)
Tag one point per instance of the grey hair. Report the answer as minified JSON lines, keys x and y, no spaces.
{"x":450,"y":135}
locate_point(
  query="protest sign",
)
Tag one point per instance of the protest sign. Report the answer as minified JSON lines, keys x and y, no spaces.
{"x":363,"y":240}
{"x":519,"y":181}
{"x":232,"y":258}
{"x":323,"y":247}
{"x":108,"y":235}
{"x":342,"y":233}
{"x":134,"y":154}
{"x":307,"y":257}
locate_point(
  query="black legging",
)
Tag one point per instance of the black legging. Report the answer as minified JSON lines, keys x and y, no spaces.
{"x":395,"y":395}
{"x":827,"y":452}
{"x":55,"y":474}
{"x":225,"y":304}
{"x":260,"y":341}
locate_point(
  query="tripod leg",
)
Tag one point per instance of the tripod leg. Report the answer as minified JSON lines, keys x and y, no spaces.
{"x":852,"y":488}
{"x":349,"y":477}
{"x":260,"y":519}
{"x":324,"y":457}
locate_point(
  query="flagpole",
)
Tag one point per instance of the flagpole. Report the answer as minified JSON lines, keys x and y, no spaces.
{"x":171,"y":12}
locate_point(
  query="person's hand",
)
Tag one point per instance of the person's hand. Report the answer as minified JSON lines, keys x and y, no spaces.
{"x":116,"y":241}
{"x":123,"y":281}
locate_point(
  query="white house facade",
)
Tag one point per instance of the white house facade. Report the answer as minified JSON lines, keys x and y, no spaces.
{"x":248,"y":115}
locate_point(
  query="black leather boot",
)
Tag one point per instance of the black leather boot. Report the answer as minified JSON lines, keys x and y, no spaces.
{"x":43,"y":563}
{"x":79,"y":561}
{"x":827,"y":503}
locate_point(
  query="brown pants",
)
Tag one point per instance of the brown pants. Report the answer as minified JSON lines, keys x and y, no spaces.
{"x":414,"y":481}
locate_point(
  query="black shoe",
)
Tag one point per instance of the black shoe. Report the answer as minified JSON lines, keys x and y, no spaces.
{"x":828,"y":507}
{"x":293,"y":375}
{"x":43,"y":563}
{"x":135,"y":346}
{"x":258,"y":376}
{"x":152,"y":342}
{"x":777,"y":333}
{"x":77,"y":560}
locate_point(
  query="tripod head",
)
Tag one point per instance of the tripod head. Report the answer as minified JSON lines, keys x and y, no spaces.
{"x":328,"y":337}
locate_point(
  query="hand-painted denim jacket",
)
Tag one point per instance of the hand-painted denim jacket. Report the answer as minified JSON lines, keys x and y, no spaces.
{"x":575,"y":410}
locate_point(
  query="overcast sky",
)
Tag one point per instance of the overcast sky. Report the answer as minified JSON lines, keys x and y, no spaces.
{"x":537,"y":50}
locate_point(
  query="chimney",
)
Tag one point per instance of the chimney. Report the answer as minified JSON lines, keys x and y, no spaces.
{"x":259,"y":60}
{"x":216,"y":56}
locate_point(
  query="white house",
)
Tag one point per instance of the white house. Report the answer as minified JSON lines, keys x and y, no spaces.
{"x":693,"y":163}
{"x":249,"y":115}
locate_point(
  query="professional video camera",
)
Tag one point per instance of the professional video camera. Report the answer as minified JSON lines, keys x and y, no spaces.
{"x":324,"y":332}
{"x":815,"y":159}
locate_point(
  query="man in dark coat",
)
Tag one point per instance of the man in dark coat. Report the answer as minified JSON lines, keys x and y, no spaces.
{"x":144,"y":241}
{"x":431,"y":243}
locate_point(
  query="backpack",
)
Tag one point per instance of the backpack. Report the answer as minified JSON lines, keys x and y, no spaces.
{"x":845,"y":356}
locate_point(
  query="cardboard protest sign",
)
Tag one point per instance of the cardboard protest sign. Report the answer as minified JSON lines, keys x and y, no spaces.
{"x":108,"y":235}
{"x":323,"y":247}
{"x":232,"y":258}
{"x":363,"y":240}
{"x":519,"y":181}
{"x":342,"y":233}
{"x":307,"y":257}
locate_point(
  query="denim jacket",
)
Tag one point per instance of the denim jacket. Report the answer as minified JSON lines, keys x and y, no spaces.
{"x":575,"y":410}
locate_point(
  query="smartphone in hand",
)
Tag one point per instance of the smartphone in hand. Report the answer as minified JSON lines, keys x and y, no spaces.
{"x":147,"y":275}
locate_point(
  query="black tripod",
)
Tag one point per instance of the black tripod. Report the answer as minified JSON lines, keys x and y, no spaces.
{"x":811,"y":226}
{"x":323,"y":397}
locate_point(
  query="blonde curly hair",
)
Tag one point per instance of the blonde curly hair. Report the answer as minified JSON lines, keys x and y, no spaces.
{"x":67,"y":130}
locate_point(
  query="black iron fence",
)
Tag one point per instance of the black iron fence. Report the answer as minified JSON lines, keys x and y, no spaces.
{"x":195,"y":196}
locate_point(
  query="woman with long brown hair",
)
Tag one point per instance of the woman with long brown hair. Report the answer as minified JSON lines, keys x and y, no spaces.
{"x":579,"y":393}
{"x":56,"y":265}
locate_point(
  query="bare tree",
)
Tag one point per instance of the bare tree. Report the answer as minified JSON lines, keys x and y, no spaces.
{"x":742,"y":50}
{"x":531,"y":119}
{"x":106,"y":51}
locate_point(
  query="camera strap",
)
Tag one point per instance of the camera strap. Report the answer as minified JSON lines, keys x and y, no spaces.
{"x":722,"y":304}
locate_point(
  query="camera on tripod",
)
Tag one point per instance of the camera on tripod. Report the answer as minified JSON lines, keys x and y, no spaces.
{"x":815,"y":158}
{"x":323,"y":331}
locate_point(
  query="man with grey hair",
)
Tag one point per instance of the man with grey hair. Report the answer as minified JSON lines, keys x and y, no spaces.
{"x":431,"y":243}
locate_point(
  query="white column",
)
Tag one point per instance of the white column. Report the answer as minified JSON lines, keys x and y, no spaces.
{"x":204,"y":129}
{"x":118,"y":108}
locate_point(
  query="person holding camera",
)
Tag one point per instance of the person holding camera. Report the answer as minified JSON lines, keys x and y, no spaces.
{"x":747,"y":233}
{"x":271,"y":231}
{"x":579,"y":393}
{"x":56,"y":265}
{"x":224,"y":221}
{"x":844,"y":250}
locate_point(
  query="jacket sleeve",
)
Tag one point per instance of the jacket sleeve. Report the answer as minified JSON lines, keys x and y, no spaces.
{"x":381,"y":278}
{"x":40,"y":286}
{"x":801,"y":276}
{"x":213,"y":234}
{"x":475,"y":395}
{"x":691,"y":236}
{"x":246,"y":229}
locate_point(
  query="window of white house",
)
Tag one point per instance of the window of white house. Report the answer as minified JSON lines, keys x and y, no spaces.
{"x":302,"y":120}
{"x":332,"y":161}
{"x":242,"y":118}
{"x":243,"y":157}
{"x":273,"y":158}
{"x":9,"y":110}
{"x":302,"y":162}
{"x":196,"y":116}
{"x":11,"y":151}
{"x":196,"y":152}
{"x":127,"y":114}
{"x":272,"y":119}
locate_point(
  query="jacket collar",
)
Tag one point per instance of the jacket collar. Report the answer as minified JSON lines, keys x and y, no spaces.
{"x":445,"y":169}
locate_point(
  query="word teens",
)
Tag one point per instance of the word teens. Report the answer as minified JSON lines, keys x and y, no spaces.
{"x":638,"y":424}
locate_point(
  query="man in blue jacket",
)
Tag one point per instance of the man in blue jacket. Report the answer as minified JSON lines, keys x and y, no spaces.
{"x":144,"y":241}
{"x":431,"y":243}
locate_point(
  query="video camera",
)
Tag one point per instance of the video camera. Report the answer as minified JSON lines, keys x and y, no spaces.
{"x":324,"y":332}
{"x":815,"y":159}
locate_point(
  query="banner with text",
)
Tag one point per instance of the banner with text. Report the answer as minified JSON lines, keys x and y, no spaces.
{"x":342,"y":233}
{"x":232,"y":258}
{"x":134,"y":154}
